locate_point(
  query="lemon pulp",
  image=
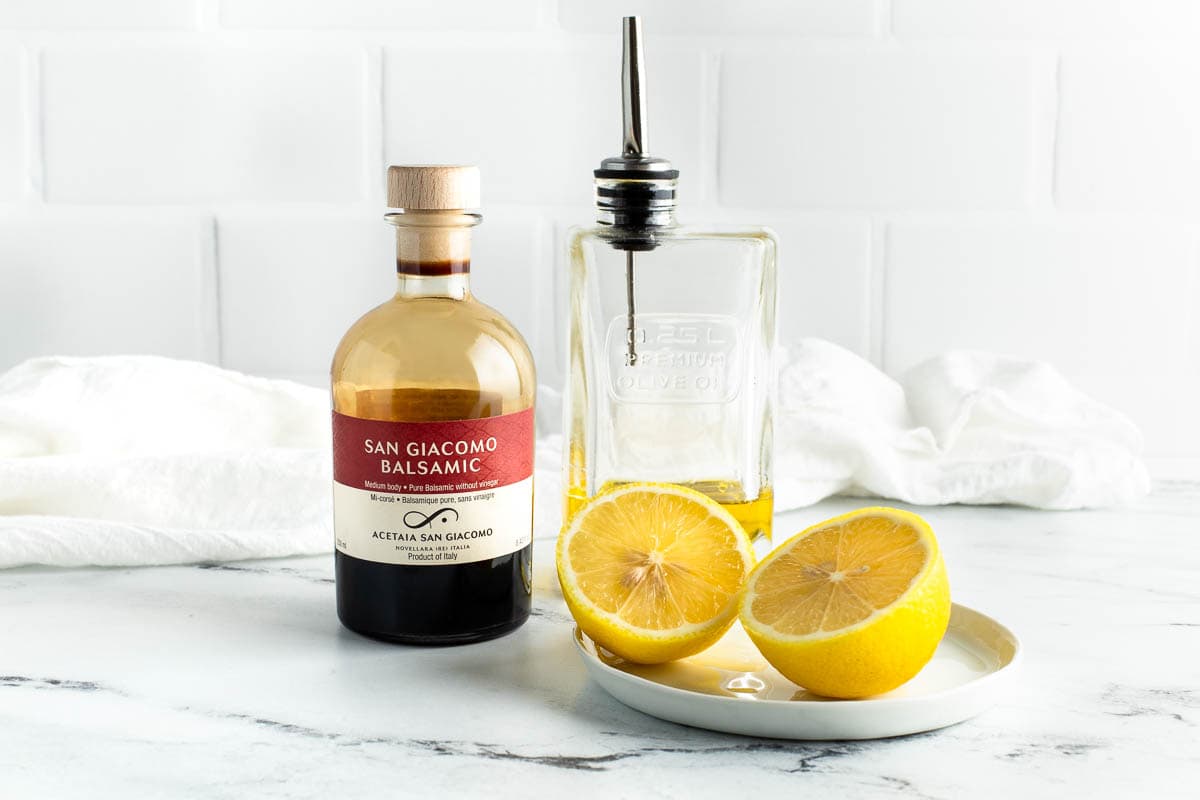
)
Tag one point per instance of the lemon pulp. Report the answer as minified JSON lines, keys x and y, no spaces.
{"x":851,"y":607}
{"x":652,"y":572}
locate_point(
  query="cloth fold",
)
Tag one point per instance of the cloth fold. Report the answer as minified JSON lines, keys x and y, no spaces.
{"x":144,"y":460}
{"x":964,"y":427}
{"x":128,"y":460}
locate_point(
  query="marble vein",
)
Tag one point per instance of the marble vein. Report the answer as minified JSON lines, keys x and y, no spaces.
{"x":256,"y":570}
{"x":27,"y":682}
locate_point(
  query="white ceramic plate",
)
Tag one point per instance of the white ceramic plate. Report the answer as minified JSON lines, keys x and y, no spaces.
{"x":730,"y":687}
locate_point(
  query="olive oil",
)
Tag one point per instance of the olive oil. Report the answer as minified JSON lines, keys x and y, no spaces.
{"x":754,"y":515}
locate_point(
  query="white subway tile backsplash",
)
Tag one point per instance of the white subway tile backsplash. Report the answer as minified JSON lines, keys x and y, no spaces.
{"x":1164,"y":407}
{"x":194,"y":124}
{"x":824,"y":281}
{"x":876,"y":129}
{"x":1128,"y":131}
{"x":12,"y":124}
{"x":511,"y":261}
{"x":1069,"y":19}
{"x":109,"y":14}
{"x":98,"y":284}
{"x":292,"y":285}
{"x":1031,"y":168}
{"x":1071,"y":294}
{"x":454,"y":15}
{"x":749,"y":17}
{"x":1110,"y":305}
{"x":824,"y":277}
{"x":538,"y":120}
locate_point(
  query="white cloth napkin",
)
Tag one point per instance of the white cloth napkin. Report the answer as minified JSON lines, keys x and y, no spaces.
{"x":130,"y":460}
{"x":965,"y":427}
{"x":144,"y":460}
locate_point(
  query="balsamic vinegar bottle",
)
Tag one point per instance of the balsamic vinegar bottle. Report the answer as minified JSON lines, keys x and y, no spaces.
{"x":433,"y":397}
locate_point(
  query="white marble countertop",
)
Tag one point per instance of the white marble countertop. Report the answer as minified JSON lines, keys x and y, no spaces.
{"x":233,"y":681}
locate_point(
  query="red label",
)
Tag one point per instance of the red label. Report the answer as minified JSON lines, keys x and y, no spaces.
{"x":432,"y":457}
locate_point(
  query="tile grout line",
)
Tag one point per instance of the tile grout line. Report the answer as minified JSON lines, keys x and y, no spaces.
{"x":212,"y":337}
{"x":1055,"y":123}
{"x":34,"y":190}
{"x":1193,"y":291}
{"x":877,"y":292}
{"x":710,"y":143}
{"x":546,"y":330}
{"x":885,"y":24}
{"x":553,"y":347}
{"x":375,"y":122}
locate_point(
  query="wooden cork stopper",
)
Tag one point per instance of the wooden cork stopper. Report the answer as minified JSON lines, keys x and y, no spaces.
{"x":433,"y":188}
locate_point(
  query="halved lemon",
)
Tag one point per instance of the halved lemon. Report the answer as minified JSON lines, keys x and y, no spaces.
{"x":651,"y":572}
{"x":852,"y":607}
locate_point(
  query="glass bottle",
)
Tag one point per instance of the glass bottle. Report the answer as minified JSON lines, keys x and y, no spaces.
{"x":433,"y":396}
{"x":672,"y":338}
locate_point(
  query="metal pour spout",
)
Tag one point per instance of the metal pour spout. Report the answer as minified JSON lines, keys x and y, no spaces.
{"x":633,"y":98}
{"x":633,"y":115}
{"x":635,"y":192}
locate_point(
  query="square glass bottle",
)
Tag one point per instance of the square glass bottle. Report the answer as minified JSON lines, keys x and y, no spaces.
{"x":672,"y":338}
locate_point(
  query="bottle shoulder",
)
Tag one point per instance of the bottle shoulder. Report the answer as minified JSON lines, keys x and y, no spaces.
{"x":681,"y":232}
{"x":693,"y":235}
{"x":724,"y":250}
{"x":434,"y":338}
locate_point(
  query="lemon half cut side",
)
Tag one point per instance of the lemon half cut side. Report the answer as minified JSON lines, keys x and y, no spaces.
{"x":851,"y":607}
{"x":652,"y":572}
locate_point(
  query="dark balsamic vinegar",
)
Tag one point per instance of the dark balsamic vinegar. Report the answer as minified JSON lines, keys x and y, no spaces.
{"x":450,"y":604}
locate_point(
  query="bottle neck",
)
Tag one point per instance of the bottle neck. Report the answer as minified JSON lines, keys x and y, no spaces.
{"x":433,"y":253}
{"x":455,"y":287}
